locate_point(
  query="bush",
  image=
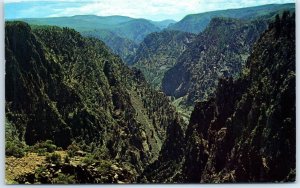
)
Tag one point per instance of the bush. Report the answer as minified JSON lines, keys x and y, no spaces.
{"x":64,"y":179}
{"x":89,"y":159}
{"x":72,"y":149}
{"x":14,"y":148}
{"x":40,"y":170}
{"x":67,"y":159}
{"x":105,"y":166}
{"x":43,"y":147}
{"x":54,"y":158}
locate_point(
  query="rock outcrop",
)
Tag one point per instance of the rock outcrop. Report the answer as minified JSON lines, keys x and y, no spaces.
{"x":247,"y":132}
{"x":69,"y":89}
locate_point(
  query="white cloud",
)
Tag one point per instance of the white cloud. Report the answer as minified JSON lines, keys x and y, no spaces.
{"x":134,"y":8}
{"x":151,"y":9}
{"x":228,"y":4}
{"x":17,"y":1}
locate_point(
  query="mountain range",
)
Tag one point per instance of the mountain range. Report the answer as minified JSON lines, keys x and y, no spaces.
{"x":66,"y":88}
{"x":129,"y":32}
{"x":246,"y":132}
{"x":189,"y":73}
{"x":115,"y":99}
{"x":196,"y":23}
{"x":220,"y":50}
{"x":158,"y":53}
{"x":120,"y":33}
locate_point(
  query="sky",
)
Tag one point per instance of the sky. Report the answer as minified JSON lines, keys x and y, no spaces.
{"x":150,"y":9}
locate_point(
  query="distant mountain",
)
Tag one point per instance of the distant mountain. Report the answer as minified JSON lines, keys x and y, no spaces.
{"x":126,"y":27}
{"x":247,"y":132}
{"x":81,"y":22}
{"x":74,"y":92}
{"x":74,"y":113}
{"x":158,"y":53}
{"x":136,"y":29}
{"x":120,"y":33}
{"x":196,"y":23}
{"x":163,"y":24}
{"x":124,"y":47}
{"x":219,"y":51}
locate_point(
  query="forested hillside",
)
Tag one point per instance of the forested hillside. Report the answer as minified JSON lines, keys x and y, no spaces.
{"x":114,"y":99}
{"x":123,"y":47}
{"x":196,"y":23}
{"x":123,"y":26}
{"x":72,"y":93}
{"x":247,"y":132}
{"x":120,"y":33}
{"x":158,"y":53}
{"x":220,"y":51}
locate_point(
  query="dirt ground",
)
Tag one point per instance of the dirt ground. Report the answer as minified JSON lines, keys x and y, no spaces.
{"x":15,"y":167}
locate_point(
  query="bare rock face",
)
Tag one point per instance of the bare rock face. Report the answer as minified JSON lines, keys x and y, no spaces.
{"x":247,"y":132}
{"x":220,"y":50}
{"x":69,"y":89}
{"x":158,"y":53}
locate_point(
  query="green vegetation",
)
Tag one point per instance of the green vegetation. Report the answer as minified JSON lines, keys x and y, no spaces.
{"x":247,"y":131}
{"x":67,"y":159}
{"x":14,"y":148}
{"x":120,"y":33}
{"x":75,"y":113}
{"x":74,"y":94}
{"x":164,"y":23}
{"x":219,"y":51}
{"x":196,"y":23}
{"x":158,"y":53}
{"x":13,"y":145}
{"x":44,"y":146}
{"x":53,"y":158}
{"x":42,"y":175}
{"x":89,"y":159}
{"x":124,"y":47}
{"x":72,"y":149}
{"x":125,"y":27}
{"x":64,"y":179}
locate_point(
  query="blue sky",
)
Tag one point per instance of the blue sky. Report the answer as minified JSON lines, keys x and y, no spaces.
{"x":149,"y":9}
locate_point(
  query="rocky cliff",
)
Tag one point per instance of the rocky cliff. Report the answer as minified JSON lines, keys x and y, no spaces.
{"x":71,"y":90}
{"x":221,"y":50}
{"x":247,"y":132}
{"x":158,"y":53}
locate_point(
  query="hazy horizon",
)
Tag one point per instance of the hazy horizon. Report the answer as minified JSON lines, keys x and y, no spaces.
{"x":156,"y":10}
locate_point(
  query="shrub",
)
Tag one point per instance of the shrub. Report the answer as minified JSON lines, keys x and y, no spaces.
{"x":67,"y":159}
{"x":89,"y":159}
{"x":14,"y":148}
{"x":39,"y":172}
{"x":41,"y":151}
{"x":105,"y":166}
{"x":54,"y":158}
{"x":47,"y":146}
{"x":72,"y":149}
{"x":64,"y":179}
